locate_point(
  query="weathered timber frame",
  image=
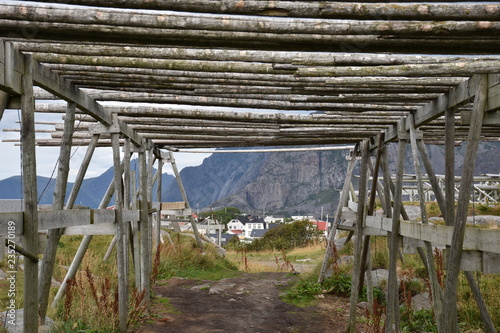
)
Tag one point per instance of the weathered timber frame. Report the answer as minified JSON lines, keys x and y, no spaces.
{"x":267,"y":73}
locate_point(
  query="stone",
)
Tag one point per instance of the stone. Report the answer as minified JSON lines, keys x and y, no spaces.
{"x":362,"y":305}
{"x":380,"y":277}
{"x":421,"y":301}
{"x":220,"y":287}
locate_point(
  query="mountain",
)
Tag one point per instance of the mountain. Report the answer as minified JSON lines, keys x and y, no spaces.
{"x":282,"y":182}
{"x":90,"y":194}
{"x":287,"y":183}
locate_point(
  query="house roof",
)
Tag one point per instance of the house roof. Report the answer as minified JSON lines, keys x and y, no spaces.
{"x":321,"y":225}
{"x":258,"y":233}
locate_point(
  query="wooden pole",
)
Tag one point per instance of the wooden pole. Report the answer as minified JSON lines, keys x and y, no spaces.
{"x":392,"y":316}
{"x":429,"y":255}
{"x":145,"y":257}
{"x":158,"y":198}
{"x":344,"y":195}
{"x":449,"y":176}
{"x":371,"y":207}
{"x":54,"y":235}
{"x":121,"y":248}
{"x":449,"y":319}
{"x":30,"y":195}
{"x":358,"y":245}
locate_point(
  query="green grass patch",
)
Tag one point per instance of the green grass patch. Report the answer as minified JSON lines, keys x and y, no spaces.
{"x":166,"y":305}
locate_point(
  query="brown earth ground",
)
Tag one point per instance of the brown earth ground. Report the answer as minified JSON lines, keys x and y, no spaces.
{"x":249,"y":303}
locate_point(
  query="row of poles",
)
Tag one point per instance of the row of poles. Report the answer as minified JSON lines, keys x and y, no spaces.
{"x":390,"y":195}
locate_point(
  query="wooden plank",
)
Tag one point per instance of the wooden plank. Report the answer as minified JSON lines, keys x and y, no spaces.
{"x":491,"y":118}
{"x":79,"y":217}
{"x":60,"y":87}
{"x":13,"y":68}
{"x":101,"y":229}
{"x":16,"y":217}
{"x":52,"y":219}
{"x":454,"y":98}
{"x":477,"y":261}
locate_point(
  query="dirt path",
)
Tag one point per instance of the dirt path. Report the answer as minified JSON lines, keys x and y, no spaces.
{"x":246,"y":304}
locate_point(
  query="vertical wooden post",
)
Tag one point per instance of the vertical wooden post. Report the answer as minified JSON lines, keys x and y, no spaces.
{"x":392,"y":316}
{"x":449,"y":319}
{"x":30,"y":195}
{"x":428,"y":255}
{"x":120,"y":231}
{"x":54,"y":235}
{"x":144,"y":227}
{"x":387,"y":183}
{"x":134,"y":235}
{"x":449,"y":175}
{"x":371,"y":207}
{"x":358,"y":245}
{"x":185,"y":198}
{"x":158,"y":198}
{"x":338,"y":215}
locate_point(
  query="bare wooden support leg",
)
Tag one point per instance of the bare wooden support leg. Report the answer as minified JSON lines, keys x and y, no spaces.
{"x":110,"y":249}
{"x":134,"y":235}
{"x":144,"y":228}
{"x":371,"y":208}
{"x":120,"y":234}
{"x":338,"y":215}
{"x":449,"y":176}
{"x":359,"y":230}
{"x":429,"y":256}
{"x":54,"y":235}
{"x":392,"y":317}
{"x":30,"y":195}
{"x":158,"y":198}
{"x":449,"y":320}
{"x":489,"y":326}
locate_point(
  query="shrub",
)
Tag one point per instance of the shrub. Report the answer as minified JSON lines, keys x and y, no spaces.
{"x":286,"y":236}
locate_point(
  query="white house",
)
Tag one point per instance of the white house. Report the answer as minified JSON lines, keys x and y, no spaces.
{"x":235,"y":224}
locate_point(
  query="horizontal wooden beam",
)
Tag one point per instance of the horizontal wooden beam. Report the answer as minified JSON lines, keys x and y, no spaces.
{"x":323,"y":9}
{"x":11,"y":223}
{"x":79,"y":17}
{"x":477,"y":261}
{"x":100,"y":229}
{"x":475,"y":239}
{"x":78,"y":217}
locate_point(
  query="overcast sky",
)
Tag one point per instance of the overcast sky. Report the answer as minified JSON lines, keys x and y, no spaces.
{"x":47,"y":156}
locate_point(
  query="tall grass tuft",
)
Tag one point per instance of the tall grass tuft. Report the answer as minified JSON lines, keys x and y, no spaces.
{"x":184,"y":259}
{"x":92,"y":303}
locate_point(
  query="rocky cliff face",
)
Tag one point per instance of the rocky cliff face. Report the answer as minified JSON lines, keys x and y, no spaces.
{"x":285,"y":182}
{"x":293,"y":182}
